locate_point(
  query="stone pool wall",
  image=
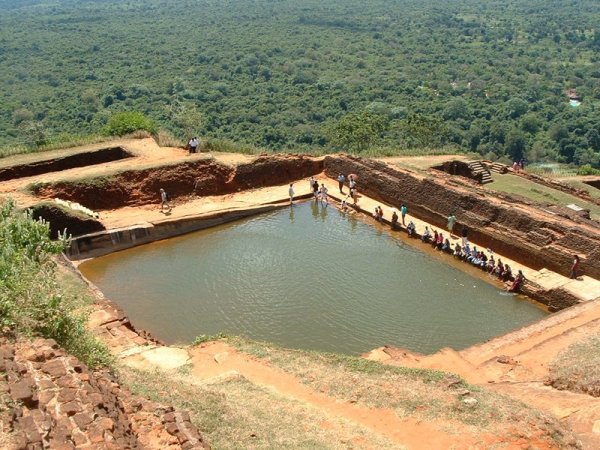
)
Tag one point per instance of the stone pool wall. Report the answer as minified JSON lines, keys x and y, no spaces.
{"x":525,"y":234}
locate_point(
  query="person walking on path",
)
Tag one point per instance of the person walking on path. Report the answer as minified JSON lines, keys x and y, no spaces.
{"x":291,"y":192}
{"x":164,"y":200}
{"x":403,"y":211}
{"x":575,"y":267}
{"x":341,"y":179}
{"x":193,"y":144}
{"x":451,"y":222}
{"x":351,"y":182}
{"x":324,"y":194}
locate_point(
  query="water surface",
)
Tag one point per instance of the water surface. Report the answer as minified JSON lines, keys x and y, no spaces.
{"x":306,"y":277}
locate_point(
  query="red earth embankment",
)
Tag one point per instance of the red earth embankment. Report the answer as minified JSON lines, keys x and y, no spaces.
{"x":204,"y":177}
{"x":525,"y":234}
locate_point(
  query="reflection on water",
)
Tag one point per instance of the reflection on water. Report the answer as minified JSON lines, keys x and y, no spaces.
{"x":305,"y":277}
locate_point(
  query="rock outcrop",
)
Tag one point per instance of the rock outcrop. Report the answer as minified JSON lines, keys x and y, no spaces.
{"x":51,"y":400}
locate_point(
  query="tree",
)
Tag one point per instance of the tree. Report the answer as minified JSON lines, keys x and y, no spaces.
{"x":516,"y":144}
{"x":187,"y":117}
{"x":357,"y":131}
{"x":127,"y":122}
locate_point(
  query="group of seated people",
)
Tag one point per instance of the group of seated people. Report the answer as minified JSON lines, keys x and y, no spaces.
{"x":471,"y":255}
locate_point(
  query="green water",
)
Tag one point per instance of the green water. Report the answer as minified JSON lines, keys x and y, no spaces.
{"x":306,"y":277}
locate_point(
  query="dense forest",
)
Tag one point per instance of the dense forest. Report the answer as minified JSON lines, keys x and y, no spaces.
{"x":491,"y":77}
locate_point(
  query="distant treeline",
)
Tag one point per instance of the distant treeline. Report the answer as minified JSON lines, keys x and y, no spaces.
{"x":487,"y":77}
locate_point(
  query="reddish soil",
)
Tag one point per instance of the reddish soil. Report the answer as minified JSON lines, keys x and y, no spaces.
{"x":56,"y":402}
{"x":195,"y":178}
{"x":64,"y":163}
{"x":521,"y":232}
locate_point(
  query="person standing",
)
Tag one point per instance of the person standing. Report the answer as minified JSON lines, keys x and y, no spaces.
{"x":451,"y":222}
{"x":315,"y":187}
{"x":403,"y":211}
{"x":193,"y":144}
{"x":341,"y":179}
{"x":311,"y":183}
{"x":291,"y":192}
{"x":465,"y":239}
{"x":351,"y":182}
{"x":575,"y":267}
{"x":324,"y":194}
{"x":164,"y":200}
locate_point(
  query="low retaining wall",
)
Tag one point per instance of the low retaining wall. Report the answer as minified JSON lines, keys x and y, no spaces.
{"x":105,"y":242}
{"x":518,"y":232}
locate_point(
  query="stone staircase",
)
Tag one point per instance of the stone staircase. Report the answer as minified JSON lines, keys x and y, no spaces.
{"x":499,"y":168}
{"x":480,"y":172}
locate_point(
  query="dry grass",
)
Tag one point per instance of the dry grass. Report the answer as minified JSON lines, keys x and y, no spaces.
{"x":426,"y":394}
{"x":235,"y":414}
{"x":577,"y":368}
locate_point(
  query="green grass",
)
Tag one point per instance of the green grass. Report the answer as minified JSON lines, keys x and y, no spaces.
{"x":577,"y":368}
{"x":512,"y":184}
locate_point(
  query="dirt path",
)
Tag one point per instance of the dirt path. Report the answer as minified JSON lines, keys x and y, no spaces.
{"x":217,"y":359}
{"x":517,"y":364}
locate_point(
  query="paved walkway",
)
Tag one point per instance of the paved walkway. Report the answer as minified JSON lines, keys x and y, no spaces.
{"x":585,"y":288}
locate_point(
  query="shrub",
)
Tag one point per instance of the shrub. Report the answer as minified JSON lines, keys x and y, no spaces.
{"x":587,"y":169}
{"x":122,"y":123}
{"x":32,"y":303}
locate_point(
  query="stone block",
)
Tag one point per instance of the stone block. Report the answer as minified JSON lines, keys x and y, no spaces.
{"x":55,"y":368}
{"x":83,"y":419}
{"x":71,"y":408}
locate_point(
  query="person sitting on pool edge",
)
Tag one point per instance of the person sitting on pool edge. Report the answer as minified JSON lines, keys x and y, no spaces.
{"x":394,"y":222}
{"x":426,"y":236}
{"x":411,"y":229}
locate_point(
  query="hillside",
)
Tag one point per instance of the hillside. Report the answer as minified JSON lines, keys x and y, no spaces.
{"x":488,"y":77}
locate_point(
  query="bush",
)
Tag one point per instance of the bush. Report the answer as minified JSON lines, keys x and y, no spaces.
{"x":122,"y":123}
{"x":587,"y":170}
{"x":32,"y":303}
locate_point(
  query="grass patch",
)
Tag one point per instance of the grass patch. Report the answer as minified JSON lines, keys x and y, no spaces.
{"x":423,"y":393}
{"x":33,"y":299}
{"x":577,"y":368}
{"x":235,"y":414}
{"x":512,"y":184}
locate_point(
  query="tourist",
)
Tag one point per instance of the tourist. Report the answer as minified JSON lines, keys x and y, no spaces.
{"x":457,"y":251}
{"x":351,"y":182}
{"x":193,"y":144}
{"x":451,"y":222}
{"x":435,"y":238}
{"x":499,"y":269}
{"x":447,"y":248}
{"x":507,"y":275}
{"x":354,"y":195}
{"x":394,"y":219}
{"x":403,"y":211}
{"x":344,"y":205}
{"x":515,"y":166}
{"x":439,"y":241}
{"x":341,"y":179}
{"x":465,"y":239}
{"x":575,"y":267}
{"x":315,"y":187}
{"x":411,"y":229}
{"x":490,"y":264}
{"x":324,"y":194}
{"x":291,"y":193}
{"x":426,"y":235}
{"x":311,"y":183}
{"x":164,"y":200}
{"x":516,"y":285}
